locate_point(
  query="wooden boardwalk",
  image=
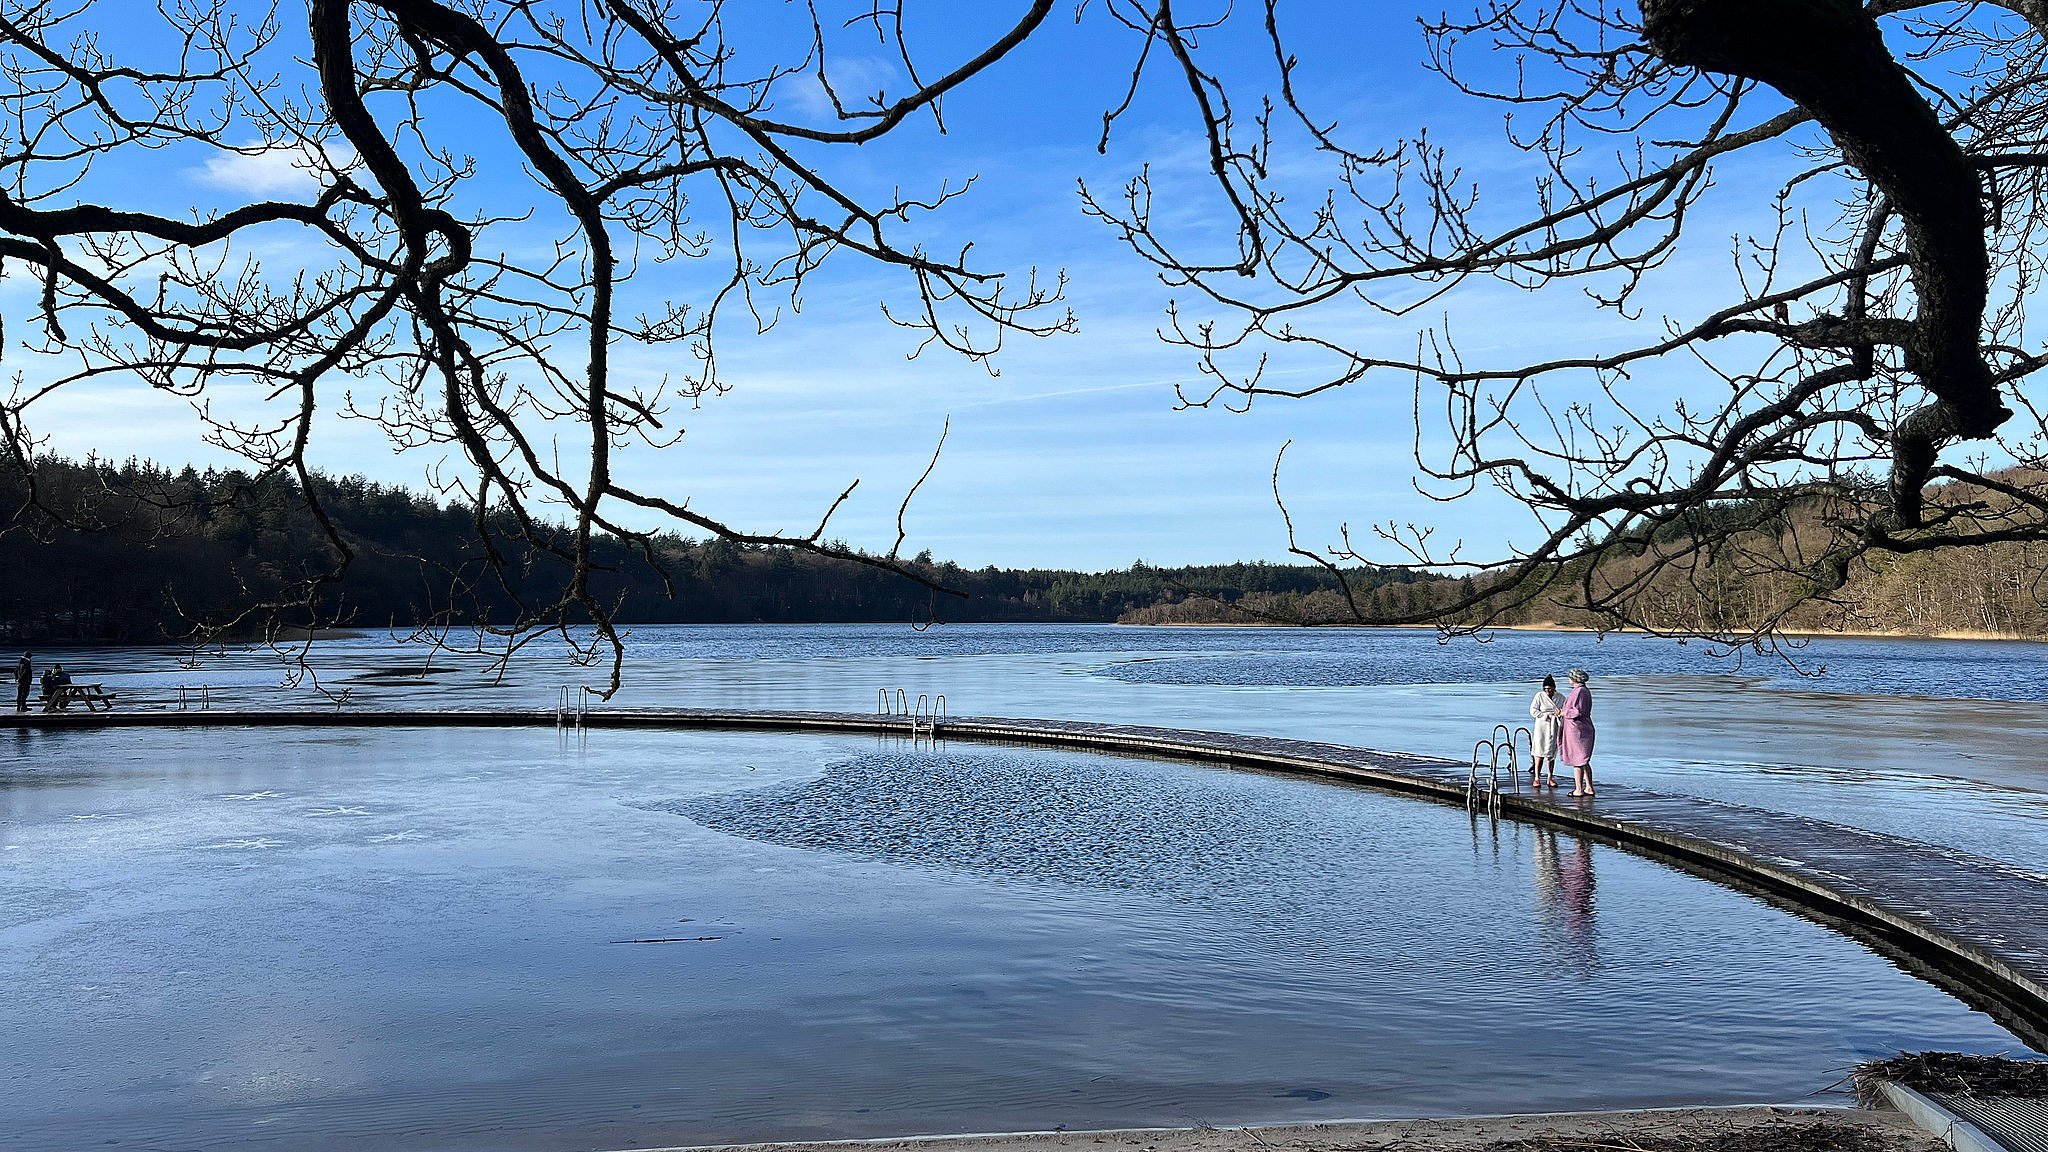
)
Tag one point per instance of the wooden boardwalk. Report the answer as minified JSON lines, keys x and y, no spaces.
{"x":1977,"y":927}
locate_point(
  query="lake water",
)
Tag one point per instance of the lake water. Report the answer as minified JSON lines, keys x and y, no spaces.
{"x":1935,"y":740}
{"x":522,"y":939}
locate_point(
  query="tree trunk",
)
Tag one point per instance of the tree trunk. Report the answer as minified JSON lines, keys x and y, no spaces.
{"x":1829,"y":57}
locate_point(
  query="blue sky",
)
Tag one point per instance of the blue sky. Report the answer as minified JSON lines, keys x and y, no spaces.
{"x":1074,"y":455}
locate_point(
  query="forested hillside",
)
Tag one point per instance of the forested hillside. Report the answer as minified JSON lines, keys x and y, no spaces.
{"x":1756,"y":577}
{"x":138,"y":552}
{"x":1763,"y":575}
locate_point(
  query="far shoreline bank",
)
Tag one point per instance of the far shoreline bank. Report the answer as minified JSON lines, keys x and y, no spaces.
{"x":1579,"y":629}
{"x":1643,"y":1128}
{"x":300,"y":638}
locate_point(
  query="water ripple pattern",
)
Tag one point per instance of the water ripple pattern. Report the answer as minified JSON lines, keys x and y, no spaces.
{"x":1115,"y":825}
{"x":540,"y":941}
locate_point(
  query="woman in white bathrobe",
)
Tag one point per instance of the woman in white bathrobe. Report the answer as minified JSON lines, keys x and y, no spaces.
{"x":1543,"y":735}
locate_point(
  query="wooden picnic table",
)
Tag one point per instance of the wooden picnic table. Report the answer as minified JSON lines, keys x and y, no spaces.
{"x":94,"y":696}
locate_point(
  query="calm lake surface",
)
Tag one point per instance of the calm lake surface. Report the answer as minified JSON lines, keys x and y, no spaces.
{"x":421,"y":938}
{"x":1936,"y":740}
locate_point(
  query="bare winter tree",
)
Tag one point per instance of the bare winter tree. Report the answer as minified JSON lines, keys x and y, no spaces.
{"x":479,"y":319}
{"x":1862,"y":388}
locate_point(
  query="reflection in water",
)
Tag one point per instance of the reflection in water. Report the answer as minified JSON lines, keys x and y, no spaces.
{"x":843,"y":938}
{"x":1565,"y":904}
{"x":1492,"y":825}
{"x":1567,"y":935}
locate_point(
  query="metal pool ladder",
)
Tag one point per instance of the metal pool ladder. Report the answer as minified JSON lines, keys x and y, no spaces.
{"x":1499,"y":743}
{"x":924,"y":716}
{"x":571,"y":705}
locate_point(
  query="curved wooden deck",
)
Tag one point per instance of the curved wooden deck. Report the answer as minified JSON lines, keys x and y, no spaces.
{"x":1977,"y":927}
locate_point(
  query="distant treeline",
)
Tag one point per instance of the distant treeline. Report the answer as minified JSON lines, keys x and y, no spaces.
{"x":1762,"y":574}
{"x":1757,"y":578}
{"x":135,"y":552}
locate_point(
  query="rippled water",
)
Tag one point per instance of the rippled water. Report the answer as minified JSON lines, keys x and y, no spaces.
{"x":1937,"y":740}
{"x":510,"y":939}
{"x":1285,"y":657}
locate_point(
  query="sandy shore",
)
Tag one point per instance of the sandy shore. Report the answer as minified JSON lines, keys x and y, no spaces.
{"x":1762,"y":1128}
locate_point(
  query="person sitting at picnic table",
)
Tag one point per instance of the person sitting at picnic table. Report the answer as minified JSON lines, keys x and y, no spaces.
{"x":55,"y":680}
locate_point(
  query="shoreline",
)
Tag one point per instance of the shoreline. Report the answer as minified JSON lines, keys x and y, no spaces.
{"x":355,"y":633}
{"x":1578,"y":629}
{"x":1893,"y":1130}
{"x":1962,"y":634}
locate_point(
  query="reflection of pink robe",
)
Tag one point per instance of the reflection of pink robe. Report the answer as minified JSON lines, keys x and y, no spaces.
{"x":1576,"y":739}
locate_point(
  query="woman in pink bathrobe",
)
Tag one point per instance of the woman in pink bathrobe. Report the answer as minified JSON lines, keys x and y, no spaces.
{"x":1575,"y":739}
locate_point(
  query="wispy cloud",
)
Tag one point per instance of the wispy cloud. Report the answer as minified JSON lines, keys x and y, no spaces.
{"x":856,"y":80}
{"x":258,"y":170}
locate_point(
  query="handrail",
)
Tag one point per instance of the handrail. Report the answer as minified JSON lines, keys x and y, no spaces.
{"x":923,"y":716}
{"x":926,"y":718}
{"x":1514,"y":765}
{"x":1494,"y":750}
{"x":1472,"y":779}
{"x":571,"y":707}
{"x":1493,"y":784}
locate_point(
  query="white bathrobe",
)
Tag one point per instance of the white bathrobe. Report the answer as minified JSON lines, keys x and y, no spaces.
{"x":1543,"y":733}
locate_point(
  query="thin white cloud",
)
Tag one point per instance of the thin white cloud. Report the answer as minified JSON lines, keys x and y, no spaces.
{"x":856,"y":79}
{"x":255,"y":170}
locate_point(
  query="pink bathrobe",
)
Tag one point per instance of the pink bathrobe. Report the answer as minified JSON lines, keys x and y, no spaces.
{"x":1576,"y":738}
